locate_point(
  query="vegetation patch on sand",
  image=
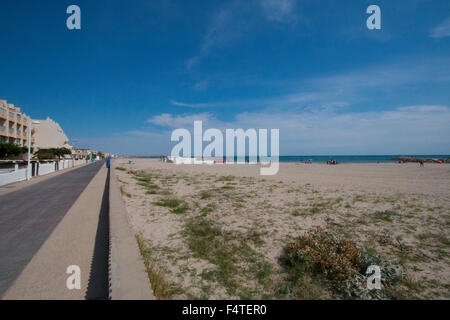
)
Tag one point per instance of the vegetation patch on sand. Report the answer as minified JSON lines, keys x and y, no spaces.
{"x":162,"y":288}
{"x":325,"y":258}
{"x":237,"y":266}
{"x":386,"y":215}
{"x":175,"y":205}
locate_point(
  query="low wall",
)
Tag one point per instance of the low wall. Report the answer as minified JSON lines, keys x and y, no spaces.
{"x":15,"y":173}
{"x":79,"y":162}
{"x":128,"y":277}
{"x":46,"y":168}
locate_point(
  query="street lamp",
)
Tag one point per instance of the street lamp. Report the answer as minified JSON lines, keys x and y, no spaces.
{"x":29,"y":148}
{"x":74,"y":152}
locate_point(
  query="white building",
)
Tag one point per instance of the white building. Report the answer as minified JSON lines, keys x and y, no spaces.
{"x":48,"y":134}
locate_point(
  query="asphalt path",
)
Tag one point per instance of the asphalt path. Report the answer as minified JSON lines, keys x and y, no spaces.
{"x":29,"y":215}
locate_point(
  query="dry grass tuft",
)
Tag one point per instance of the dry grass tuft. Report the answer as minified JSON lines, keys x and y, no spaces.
{"x":162,"y":289}
{"x":323,"y":256}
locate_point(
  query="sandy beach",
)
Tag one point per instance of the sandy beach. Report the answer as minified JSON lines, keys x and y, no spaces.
{"x":218,"y":231}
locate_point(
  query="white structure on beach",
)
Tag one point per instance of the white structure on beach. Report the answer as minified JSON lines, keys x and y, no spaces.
{"x":186,"y":160}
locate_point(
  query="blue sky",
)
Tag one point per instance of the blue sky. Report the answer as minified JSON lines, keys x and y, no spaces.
{"x":139,"y":69}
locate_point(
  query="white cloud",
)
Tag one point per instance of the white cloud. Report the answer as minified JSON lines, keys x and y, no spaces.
{"x":192,"y":105}
{"x":413,"y":129}
{"x":331,"y":88}
{"x":168,"y":120}
{"x":235,"y":18}
{"x":442,"y":30}
{"x":221,"y":29}
{"x":279,"y":10}
{"x":340,"y":90}
{"x":225,"y":25}
{"x":421,"y":129}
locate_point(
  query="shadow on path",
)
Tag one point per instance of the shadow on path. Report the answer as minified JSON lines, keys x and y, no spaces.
{"x":98,"y":285}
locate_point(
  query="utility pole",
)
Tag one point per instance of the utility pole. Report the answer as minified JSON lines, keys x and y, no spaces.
{"x":30,"y":122}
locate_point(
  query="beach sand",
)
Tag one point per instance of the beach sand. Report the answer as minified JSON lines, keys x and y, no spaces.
{"x":217,"y":231}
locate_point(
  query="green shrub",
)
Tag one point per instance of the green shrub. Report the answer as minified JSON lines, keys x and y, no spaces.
{"x":323,"y":255}
{"x":10,"y":149}
{"x":321,"y":252}
{"x":52,"y":153}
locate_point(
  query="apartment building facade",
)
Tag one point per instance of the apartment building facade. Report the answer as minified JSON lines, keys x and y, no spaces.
{"x":14,"y":125}
{"x":48,"y":134}
{"x":78,"y":153}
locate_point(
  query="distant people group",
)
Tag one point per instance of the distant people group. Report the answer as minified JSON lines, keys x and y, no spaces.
{"x":332,"y":161}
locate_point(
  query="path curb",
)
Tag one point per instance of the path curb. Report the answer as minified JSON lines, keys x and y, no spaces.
{"x":128,"y":278}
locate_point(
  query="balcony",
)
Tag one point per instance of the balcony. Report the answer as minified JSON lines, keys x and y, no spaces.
{"x":11,"y":130}
{"x":2,"y":128}
{"x":11,"y":115}
{"x":3,"y":112}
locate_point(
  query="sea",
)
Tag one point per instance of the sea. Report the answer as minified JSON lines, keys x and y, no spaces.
{"x":356,"y":159}
{"x":347,"y":158}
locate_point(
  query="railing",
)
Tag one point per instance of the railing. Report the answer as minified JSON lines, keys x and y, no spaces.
{"x":11,"y":130}
{"x":18,"y":117}
{"x":2,"y":128}
{"x":11,"y":114}
{"x":3,"y":111}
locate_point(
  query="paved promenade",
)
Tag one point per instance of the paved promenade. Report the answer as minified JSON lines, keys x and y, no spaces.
{"x":49,"y":225}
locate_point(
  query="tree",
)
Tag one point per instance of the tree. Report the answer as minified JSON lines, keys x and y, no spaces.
{"x":52,"y":153}
{"x":11,"y":150}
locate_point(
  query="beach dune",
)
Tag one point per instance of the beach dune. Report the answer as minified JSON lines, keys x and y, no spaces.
{"x":400,"y":211}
